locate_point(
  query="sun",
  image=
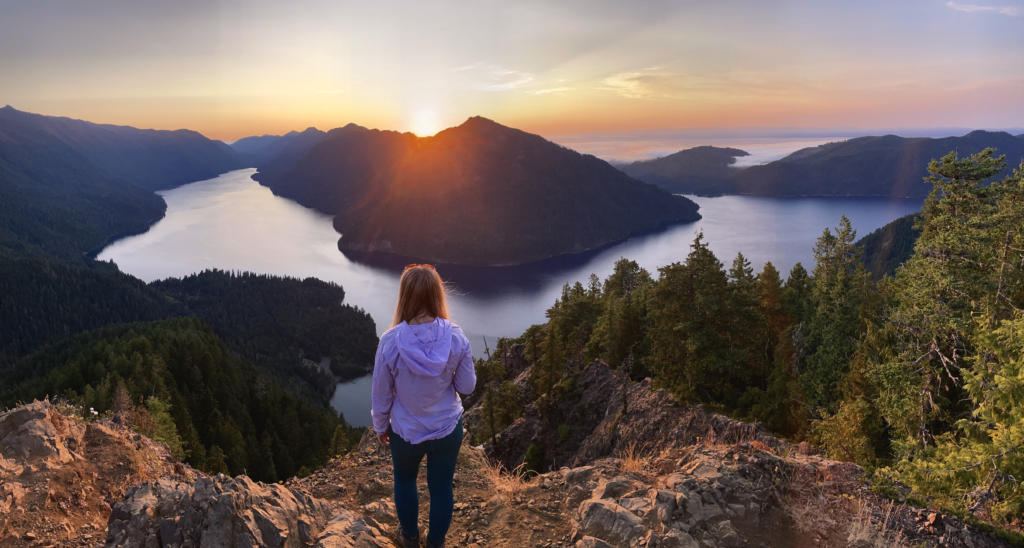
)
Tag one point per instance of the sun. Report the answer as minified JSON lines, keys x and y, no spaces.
{"x":425,"y":122}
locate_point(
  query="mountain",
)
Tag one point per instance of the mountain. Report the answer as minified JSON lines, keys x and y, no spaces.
{"x":477,"y":194}
{"x":888,"y":166}
{"x":258,"y":150}
{"x":703,"y":170}
{"x":69,"y":186}
{"x":885,"y":166}
{"x":152,"y":159}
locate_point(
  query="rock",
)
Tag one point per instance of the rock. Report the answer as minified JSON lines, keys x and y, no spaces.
{"x":591,"y":542}
{"x":223,"y":511}
{"x":579,"y":474}
{"x":346,"y":530}
{"x":664,"y":504}
{"x":675,"y":538}
{"x":614,"y":488}
{"x":35,"y":432}
{"x":609,"y":521}
{"x":638,"y":505}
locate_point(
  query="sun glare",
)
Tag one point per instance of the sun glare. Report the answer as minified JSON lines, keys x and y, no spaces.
{"x":425,"y":122}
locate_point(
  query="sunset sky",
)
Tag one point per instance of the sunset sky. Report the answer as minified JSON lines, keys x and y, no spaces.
{"x":231,"y":69}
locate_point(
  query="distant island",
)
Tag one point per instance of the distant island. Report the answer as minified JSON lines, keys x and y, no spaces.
{"x":703,"y":170}
{"x":885,"y":166}
{"x":477,"y":194}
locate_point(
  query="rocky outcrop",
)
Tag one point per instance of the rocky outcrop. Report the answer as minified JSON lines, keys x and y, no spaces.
{"x":743,"y":495}
{"x":224,"y":511}
{"x":63,"y":480}
{"x":59,"y":474}
{"x":604,"y":413}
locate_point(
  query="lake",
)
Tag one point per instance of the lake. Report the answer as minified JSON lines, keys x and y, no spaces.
{"x":232,"y":223}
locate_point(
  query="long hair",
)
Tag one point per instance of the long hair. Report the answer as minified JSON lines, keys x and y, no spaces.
{"x":420,"y":290}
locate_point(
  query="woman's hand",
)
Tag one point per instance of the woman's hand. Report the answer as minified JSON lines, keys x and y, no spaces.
{"x":384,"y":439}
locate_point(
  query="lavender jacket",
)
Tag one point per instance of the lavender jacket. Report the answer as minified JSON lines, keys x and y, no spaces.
{"x":416,"y":374}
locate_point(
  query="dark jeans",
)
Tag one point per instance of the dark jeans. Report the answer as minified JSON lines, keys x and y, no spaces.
{"x":441,"y":455}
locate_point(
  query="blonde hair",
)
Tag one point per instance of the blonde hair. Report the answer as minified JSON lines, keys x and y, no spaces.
{"x":420,"y":290}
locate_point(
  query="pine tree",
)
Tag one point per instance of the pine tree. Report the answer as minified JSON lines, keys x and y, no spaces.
{"x":954,"y":273}
{"x":837,"y":293}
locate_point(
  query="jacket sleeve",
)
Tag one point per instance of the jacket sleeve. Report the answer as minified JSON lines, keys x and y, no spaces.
{"x":382,"y":395}
{"x":465,"y":371}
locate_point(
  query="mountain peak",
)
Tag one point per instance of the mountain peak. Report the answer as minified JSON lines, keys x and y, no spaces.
{"x":479,"y":122}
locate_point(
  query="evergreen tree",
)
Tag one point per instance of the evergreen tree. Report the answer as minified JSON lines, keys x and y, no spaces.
{"x":955,"y":272}
{"x":838,"y":291}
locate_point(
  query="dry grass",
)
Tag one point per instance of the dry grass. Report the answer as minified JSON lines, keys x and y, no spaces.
{"x":634,"y":460}
{"x":866,"y":531}
{"x":507,"y":483}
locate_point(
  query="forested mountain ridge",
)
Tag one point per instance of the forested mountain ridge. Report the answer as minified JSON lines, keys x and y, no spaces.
{"x":148,"y":158}
{"x":69,"y":186}
{"x":280,"y":323}
{"x":508,"y":197}
{"x":262,"y":149}
{"x":703,"y":170}
{"x":877,"y":166}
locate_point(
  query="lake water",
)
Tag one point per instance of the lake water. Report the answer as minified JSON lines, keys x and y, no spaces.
{"x":231,"y":222}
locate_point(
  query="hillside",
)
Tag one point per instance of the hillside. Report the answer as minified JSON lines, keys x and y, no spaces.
{"x":281,"y":323}
{"x":507,"y":197}
{"x":223,"y":413}
{"x":703,"y":170}
{"x":262,"y":149}
{"x":889,"y":246}
{"x":885,"y":166}
{"x":69,"y":186}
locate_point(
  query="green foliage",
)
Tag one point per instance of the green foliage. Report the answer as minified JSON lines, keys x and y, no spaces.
{"x":960,"y":268}
{"x":848,"y":433}
{"x":838,"y":291}
{"x":980,"y":461}
{"x":163,"y":428}
{"x":283,"y":325}
{"x":227,"y":416}
{"x":47,"y":299}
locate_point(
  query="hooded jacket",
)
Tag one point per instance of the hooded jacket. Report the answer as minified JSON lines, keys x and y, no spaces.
{"x":416,"y":373}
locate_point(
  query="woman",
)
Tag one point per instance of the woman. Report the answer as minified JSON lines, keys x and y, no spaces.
{"x":422,"y":361}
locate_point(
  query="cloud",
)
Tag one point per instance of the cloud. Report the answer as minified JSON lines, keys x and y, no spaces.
{"x":545,"y":91}
{"x":643,"y":83}
{"x":977,"y":8}
{"x":494,"y":77}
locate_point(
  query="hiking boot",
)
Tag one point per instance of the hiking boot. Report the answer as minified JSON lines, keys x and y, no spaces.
{"x":409,"y":542}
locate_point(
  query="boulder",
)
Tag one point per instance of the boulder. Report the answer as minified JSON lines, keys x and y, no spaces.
{"x":35,"y":432}
{"x":610,"y":522}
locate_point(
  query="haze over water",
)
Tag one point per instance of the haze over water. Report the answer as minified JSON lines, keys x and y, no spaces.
{"x":231,"y":222}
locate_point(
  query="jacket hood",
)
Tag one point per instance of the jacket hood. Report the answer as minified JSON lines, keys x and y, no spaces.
{"x":425,"y":348}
